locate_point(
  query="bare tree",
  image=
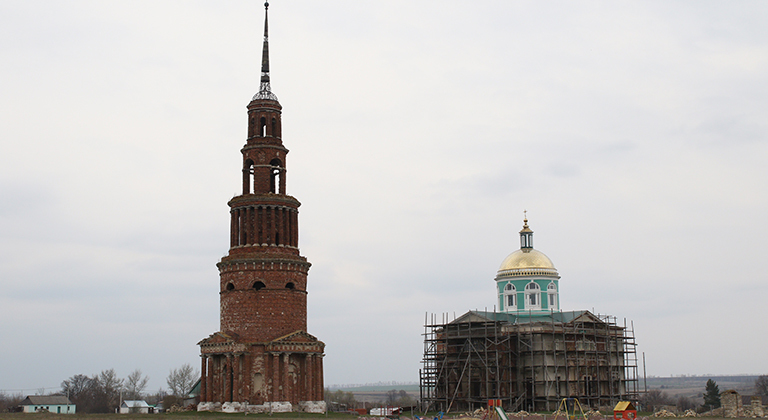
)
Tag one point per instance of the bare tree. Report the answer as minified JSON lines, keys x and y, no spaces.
{"x":107,"y":388}
{"x":340,"y":400}
{"x":156,"y":397}
{"x":181,"y":380}
{"x":654,"y":399}
{"x":135,"y":385}
{"x":761,"y":385}
{"x":9,"y":402}
{"x":685,"y":403}
{"x":399,"y":398}
{"x":391,"y":397}
{"x":80,"y":390}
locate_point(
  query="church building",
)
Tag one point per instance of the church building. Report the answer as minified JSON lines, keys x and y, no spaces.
{"x":529,"y":355}
{"x":262,"y":359}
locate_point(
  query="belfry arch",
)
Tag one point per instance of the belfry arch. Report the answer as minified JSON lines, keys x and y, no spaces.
{"x":277,"y":177}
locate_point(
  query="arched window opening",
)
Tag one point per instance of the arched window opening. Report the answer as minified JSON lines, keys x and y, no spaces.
{"x":251,"y":125}
{"x":510,"y":297}
{"x":290,"y":285}
{"x":277,"y":238}
{"x":230,"y":286}
{"x":276,"y":173}
{"x":532,"y":296}
{"x":259,"y":285}
{"x":275,"y":181}
{"x":247,"y":176}
{"x":552,"y":295}
{"x":274,"y":128}
{"x":263,"y":127}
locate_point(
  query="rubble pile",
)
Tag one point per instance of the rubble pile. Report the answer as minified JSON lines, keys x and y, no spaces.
{"x":479,"y":413}
{"x":591,"y":413}
{"x":176,"y":409}
{"x":664,"y":413}
{"x":690,"y":413}
{"x":754,"y":413}
{"x":521,"y":413}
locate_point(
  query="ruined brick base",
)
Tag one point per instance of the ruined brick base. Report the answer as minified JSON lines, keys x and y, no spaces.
{"x":269,"y":407}
{"x":287,"y":370}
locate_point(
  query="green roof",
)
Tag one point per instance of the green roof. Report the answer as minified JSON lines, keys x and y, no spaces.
{"x":522,"y":318}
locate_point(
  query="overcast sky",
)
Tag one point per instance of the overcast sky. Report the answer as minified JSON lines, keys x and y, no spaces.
{"x":635,"y":134}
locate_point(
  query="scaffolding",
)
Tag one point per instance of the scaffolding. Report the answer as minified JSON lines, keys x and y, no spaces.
{"x":530,"y":362}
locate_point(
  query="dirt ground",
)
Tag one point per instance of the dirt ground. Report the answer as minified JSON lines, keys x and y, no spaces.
{"x":193,"y":415}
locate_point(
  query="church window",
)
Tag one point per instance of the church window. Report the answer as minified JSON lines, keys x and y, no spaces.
{"x":552,"y":294}
{"x":290,"y":286}
{"x":263,"y":127}
{"x":259,"y":285}
{"x":230,"y":286}
{"x":510,"y":297}
{"x":532,"y":295}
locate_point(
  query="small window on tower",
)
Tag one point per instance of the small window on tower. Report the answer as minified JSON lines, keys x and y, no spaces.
{"x":276,"y":173}
{"x":247,"y":176}
{"x":290,"y":286}
{"x":230,"y":286}
{"x":259,"y":285}
{"x":263,"y":127}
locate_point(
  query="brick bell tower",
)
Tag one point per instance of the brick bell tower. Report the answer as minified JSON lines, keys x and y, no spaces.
{"x":263,"y":359}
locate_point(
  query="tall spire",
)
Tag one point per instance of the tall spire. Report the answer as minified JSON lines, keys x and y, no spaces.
{"x":265,"y":91}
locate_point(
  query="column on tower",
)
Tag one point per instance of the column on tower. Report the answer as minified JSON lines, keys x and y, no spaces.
{"x":275,"y":377}
{"x":228,"y":378}
{"x":287,"y":386}
{"x":203,"y":377}
{"x":236,"y":372}
{"x":309,"y":394}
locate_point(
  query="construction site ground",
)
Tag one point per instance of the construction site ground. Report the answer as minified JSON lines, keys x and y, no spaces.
{"x":193,"y":415}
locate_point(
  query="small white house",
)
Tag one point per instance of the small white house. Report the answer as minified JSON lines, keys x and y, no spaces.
{"x":58,"y":404}
{"x":135,"y":406}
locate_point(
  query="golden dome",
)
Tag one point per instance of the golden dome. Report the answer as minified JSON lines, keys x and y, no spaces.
{"x":526,"y":258}
{"x":526,"y":262}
